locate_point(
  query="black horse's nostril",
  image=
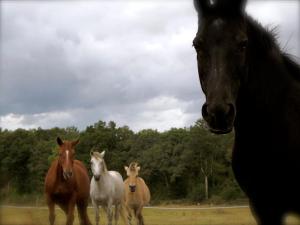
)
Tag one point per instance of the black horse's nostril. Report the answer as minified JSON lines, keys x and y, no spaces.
{"x":219,"y":117}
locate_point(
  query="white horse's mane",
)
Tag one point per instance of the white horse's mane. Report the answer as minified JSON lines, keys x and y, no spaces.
{"x":98,"y":156}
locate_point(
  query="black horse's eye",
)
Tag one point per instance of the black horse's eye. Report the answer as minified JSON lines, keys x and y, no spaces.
{"x":243,"y":45}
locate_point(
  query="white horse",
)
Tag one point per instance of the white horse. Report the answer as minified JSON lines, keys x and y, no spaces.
{"x":107,"y":189}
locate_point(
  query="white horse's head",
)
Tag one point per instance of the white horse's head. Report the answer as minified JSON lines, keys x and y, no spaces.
{"x":98,"y":165}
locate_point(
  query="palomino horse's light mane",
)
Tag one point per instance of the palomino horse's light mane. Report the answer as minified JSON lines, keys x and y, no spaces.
{"x":98,"y":156}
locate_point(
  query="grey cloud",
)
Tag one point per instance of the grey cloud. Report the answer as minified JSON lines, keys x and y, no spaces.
{"x":73,"y":63}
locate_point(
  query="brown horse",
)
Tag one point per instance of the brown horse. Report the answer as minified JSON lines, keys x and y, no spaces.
{"x":67,"y":183}
{"x":137,"y":194}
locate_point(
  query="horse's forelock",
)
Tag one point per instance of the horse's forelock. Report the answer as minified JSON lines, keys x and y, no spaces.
{"x":133,"y":166}
{"x":97,"y":156}
{"x":67,"y":145}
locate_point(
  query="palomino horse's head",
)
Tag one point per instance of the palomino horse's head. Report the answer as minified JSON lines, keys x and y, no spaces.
{"x":132,"y":173}
{"x":97,"y":164}
{"x":66,"y":156}
{"x":221,"y":44}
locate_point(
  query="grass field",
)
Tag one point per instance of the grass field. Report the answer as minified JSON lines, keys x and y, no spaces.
{"x":228,"y":216}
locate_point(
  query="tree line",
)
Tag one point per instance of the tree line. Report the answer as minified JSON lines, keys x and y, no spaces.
{"x":181,"y":163}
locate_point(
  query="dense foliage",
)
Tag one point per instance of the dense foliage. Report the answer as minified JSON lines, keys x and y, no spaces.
{"x":175,"y":164}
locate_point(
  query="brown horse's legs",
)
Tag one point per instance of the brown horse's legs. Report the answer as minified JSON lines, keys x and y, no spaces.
{"x":71,"y":207}
{"x":129,"y":214}
{"x":123,"y":213}
{"x":140,"y":216}
{"x":79,"y":210}
{"x":82,"y":211}
{"x":51,"y":206}
{"x":64,"y":208}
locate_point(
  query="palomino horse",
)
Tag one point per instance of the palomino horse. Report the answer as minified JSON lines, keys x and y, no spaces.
{"x":252,"y":86}
{"x":107,"y":189}
{"x":67,"y":184}
{"x":137,"y":194}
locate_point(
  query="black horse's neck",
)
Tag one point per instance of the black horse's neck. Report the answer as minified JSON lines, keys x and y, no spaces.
{"x":262,"y":100}
{"x":267,"y":80}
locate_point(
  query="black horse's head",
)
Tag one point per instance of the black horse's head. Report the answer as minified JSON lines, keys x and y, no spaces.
{"x":221,"y":44}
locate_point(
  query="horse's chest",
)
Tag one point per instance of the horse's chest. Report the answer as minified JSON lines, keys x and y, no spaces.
{"x":62,"y":191}
{"x":101,"y":201}
{"x":100,"y":198}
{"x":61,"y":197}
{"x":134,"y":200}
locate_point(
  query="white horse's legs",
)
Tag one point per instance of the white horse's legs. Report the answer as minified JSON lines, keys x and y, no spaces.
{"x":117,"y":212}
{"x":96,"y":208}
{"x":109,"y":213}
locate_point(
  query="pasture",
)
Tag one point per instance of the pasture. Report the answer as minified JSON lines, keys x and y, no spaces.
{"x":152,"y":216}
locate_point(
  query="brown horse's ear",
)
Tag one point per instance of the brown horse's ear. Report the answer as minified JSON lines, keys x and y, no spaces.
{"x":74,"y":143}
{"x":126,"y":168}
{"x":59,"y":141}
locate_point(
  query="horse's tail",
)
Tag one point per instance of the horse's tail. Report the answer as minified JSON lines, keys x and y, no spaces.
{"x":124,"y":213}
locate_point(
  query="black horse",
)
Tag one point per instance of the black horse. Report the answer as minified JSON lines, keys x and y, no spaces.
{"x":252,"y":86}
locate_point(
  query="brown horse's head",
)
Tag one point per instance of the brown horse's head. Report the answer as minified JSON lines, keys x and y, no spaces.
{"x":221,"y":44}
{"x":132,"y":173}
{"x":66,"y":156}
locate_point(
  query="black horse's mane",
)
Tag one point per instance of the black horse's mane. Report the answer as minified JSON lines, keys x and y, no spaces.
{"x":266,"y":40}
{"x":292,"y":66}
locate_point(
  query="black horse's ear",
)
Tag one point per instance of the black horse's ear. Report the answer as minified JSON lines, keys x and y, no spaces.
{"x":205,"y":7}
{"x":59,"y":141}
{"x":202,"y":6}
{"x":242,"y":4}
{"x":236,"y":5}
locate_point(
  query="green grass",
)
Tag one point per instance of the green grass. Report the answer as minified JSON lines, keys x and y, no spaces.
{"x":236,"y":216}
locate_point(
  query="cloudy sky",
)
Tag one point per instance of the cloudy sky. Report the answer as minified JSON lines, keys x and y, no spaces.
{"x":66,"y":63}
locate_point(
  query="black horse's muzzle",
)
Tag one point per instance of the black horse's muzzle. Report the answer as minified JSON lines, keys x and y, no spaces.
{"x":220,"y":118}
